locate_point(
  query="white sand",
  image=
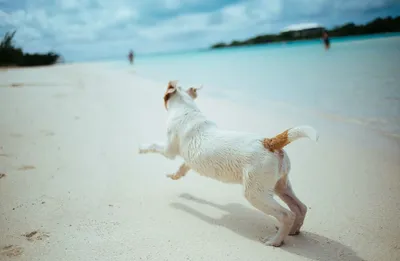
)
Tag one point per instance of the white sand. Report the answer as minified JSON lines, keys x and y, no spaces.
{"x":68,"y":146}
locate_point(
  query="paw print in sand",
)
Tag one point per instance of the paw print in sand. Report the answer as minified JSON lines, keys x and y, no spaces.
{"x":36,"y":235}
{"x":11,"y":251}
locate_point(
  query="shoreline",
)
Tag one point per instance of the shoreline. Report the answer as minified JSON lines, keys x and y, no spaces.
{"x":323,"y":115}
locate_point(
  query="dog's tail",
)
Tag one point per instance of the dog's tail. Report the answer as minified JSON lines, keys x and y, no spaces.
{"x":288,"y":136}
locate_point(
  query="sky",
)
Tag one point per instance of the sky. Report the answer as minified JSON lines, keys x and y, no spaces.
{"x":107,"y":29}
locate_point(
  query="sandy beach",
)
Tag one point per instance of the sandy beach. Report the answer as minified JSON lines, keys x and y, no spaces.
{"x":75,"y":188}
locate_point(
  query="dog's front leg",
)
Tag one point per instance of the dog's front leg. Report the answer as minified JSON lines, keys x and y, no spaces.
{"x":183,"y":169}
{"x":160,"y":148}
{"x":168,"y":149}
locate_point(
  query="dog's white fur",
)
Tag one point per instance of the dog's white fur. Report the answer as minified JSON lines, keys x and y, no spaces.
{"x":232,"y":157}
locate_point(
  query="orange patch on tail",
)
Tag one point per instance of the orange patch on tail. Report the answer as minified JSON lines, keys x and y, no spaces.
{"x":278,"y":142}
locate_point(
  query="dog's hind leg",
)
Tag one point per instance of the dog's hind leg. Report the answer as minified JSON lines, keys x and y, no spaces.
{"x":182,"y":171}
{"x":263,"y":200}
{"x":284,"y":190}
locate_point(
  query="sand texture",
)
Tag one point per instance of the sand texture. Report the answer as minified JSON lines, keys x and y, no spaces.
{"x":73,"y":186}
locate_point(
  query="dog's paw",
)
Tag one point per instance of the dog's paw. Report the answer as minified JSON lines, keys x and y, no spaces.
{"x":295,"y":230}
{"x":144,"y":148}
{"x":294,"y":233}
{"x":140,"y":150}
{"x":173,"y":176}
{"x":271,"y":241}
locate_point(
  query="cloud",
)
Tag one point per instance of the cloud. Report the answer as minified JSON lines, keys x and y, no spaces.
{"x":300,"y":26}
{"x":84,"y":29}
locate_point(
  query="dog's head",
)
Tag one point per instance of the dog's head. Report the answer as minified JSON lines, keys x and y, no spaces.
{"x":173,"y":90}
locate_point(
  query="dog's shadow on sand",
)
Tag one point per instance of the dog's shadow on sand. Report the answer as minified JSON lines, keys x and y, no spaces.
{"x":252,"y":224}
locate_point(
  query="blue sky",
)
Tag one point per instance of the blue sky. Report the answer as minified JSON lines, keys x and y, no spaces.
{"x":95,"y":29}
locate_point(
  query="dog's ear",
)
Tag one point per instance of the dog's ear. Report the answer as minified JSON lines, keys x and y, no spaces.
{"x":170,"y":90}
{"x":172,"y":86}
{"x":192,"y":91}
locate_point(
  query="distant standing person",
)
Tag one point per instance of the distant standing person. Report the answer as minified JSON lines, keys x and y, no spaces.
{"x":325,"y":38}
{"x":131,"y":56}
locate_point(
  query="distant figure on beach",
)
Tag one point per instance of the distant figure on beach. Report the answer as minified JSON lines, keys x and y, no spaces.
{"x":130,"y":57}
{"x":325,"y":38}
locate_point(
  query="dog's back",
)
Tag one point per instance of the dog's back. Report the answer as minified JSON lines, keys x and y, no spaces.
{"x":225,"y":155}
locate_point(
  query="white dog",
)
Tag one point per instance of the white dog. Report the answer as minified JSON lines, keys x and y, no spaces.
{"x":260,"y":164}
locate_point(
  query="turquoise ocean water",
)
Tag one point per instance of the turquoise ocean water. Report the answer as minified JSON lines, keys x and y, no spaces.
{"x":357,"y":80}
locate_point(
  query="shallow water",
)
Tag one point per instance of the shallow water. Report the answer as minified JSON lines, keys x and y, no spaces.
{"x":357,"y":81}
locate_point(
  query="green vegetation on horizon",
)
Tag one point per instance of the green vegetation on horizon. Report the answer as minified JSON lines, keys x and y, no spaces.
{"x":10,"y":55}
{"x":379,"y":25}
